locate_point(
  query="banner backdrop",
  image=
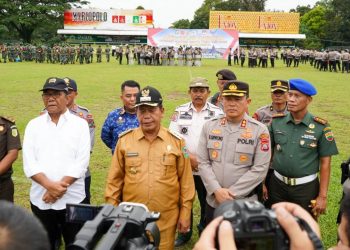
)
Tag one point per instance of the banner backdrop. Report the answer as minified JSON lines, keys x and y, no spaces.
{"x":113,"y":19}
{"x":255,"y":22}
{"x":214,"y":43}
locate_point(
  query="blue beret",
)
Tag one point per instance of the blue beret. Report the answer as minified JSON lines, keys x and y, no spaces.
{"x":302,"y":86}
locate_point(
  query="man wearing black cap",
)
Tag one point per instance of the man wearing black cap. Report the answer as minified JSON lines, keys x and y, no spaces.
{"x":279,"y":95}
{"x":223,"y":76}
{"x":56,"y":153}
{"x":234,"y":151}
{"x":86,"y":115}
{"x":151,"y":165}
{"x":303,"y":145}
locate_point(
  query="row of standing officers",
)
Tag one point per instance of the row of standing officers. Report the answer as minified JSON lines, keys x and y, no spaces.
{"x":152,"y":165}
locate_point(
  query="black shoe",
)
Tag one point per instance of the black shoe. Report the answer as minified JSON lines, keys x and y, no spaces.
{"x":182,"y":239}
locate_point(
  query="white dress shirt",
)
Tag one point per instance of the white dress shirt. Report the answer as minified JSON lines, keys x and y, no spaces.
{"x":57,"y":151}
{"x":188,"y":122}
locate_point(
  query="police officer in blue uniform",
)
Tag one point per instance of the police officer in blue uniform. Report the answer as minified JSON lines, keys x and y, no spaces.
{"x":123,"y":118}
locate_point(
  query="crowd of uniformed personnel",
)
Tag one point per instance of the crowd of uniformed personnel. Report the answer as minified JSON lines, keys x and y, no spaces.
{"x":324,"y":60}
{"x":85,"y":53}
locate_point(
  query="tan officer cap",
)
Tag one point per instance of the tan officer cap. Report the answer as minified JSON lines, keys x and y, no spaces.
{"x":199,"y":82}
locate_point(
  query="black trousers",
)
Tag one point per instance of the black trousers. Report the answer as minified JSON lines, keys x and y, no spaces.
{"x":6,"y":189}
{"x":54,"y":221}
{"x":202,"y":194}
{"x":299,"y":194}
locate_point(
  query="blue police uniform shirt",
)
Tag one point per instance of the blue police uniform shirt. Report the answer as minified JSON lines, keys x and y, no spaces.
{"x":116,"y":123}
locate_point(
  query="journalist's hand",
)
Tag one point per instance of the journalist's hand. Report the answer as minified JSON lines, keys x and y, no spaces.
{"x":223,"y":194}
{"x":225,"y":234}
{"x":285,"y":213}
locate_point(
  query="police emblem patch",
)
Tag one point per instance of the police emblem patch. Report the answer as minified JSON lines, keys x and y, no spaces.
{"x":184,"y":130}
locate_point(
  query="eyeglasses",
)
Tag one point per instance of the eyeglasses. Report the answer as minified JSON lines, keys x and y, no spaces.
{"x":55,"y":95}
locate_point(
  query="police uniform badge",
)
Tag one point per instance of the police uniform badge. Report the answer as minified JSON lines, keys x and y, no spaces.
{"x":220,"y":77}
{"x":145,"y":96}
{"x":184,"y":130}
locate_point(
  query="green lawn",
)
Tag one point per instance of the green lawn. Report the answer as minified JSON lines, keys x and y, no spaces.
{"x":99,"y":90}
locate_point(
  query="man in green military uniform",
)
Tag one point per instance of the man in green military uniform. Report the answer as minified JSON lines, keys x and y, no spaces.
{"x":302,"y":146}
{"x":9,"y":145}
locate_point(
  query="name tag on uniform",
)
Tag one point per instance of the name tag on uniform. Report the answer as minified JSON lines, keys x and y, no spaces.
{"x":132,"y":154}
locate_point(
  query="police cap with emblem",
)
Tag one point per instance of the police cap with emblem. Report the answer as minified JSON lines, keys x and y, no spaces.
{"x":148,"y":96}
{"x":71,"y":84}
{"x":281,"y":85}
{"x":199,"y":82}
{"x":302,"y":86}
{"x":235,"y":88}
{"x":55,"y":83}
{"x":226,"y":74}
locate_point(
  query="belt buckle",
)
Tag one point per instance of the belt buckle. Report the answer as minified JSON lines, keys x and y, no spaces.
{"x":289,"y":181}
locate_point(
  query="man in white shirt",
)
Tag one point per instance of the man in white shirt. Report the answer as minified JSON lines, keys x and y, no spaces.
{"x":188,"y":120}
{"x":56,"y":154}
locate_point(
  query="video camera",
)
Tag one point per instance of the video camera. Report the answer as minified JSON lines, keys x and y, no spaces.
{"x":128,"y":226}
{"x":257,"y":228}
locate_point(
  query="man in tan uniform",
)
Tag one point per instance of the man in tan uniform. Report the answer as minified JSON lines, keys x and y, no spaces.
{"x":233,"y":151}
{"x":151,"y":165}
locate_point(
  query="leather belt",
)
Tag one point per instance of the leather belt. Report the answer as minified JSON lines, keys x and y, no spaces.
{"x":295,"y":181}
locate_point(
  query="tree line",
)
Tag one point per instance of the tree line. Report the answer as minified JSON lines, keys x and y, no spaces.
{"x":326,"y":24}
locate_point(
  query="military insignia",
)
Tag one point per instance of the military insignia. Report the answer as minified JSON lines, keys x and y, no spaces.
{"x":52,"y":80}
{"x":320,"y":120}
{"x":185,"y":115}
{"x":220,"y":77}
{"x":243,"y":123}
{"x":174,"y":116}
{"x":120,"y":120}
{"x":145,"y":92}
{"x":133,"y":170}
{"x":232,"y":86}
{"x":66,"y":80}
{"x":302,"y":142}
{"x":214,"y":154}
{"x":14,"y":131}
{"x":243,"y":158}
{"x":313,"y":145}
{"x":247,"y":135}
{"x":185,"y":152}
{"x":223,"y":121}
{"x":329,"y":136}
{"x":278,"y":147}
{"x":184,"y":130}
{"x":216,"y":144}
{"x":264,"y":136}
{"x":327,"y":128}
{"x":312,"y":125}
{"x":264,"y":147}
{"x":216,"y":131}
{"x":310,"y":131}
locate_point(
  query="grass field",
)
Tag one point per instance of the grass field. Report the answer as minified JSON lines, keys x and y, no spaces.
{"x":99,"y":90}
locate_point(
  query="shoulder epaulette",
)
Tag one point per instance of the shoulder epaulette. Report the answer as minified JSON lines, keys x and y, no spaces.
{"x":174,"y":133}
{"x":279,"y":115}
{"x":10,"y":119}
{"x":81,"y":107}
{"x":320,"y":120}
{"x":125,"y":132}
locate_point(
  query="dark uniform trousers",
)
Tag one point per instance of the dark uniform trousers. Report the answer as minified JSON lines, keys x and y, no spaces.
{"x":6,"y":189}
{"x":202,"y":194}
{"x":300,"y":194}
